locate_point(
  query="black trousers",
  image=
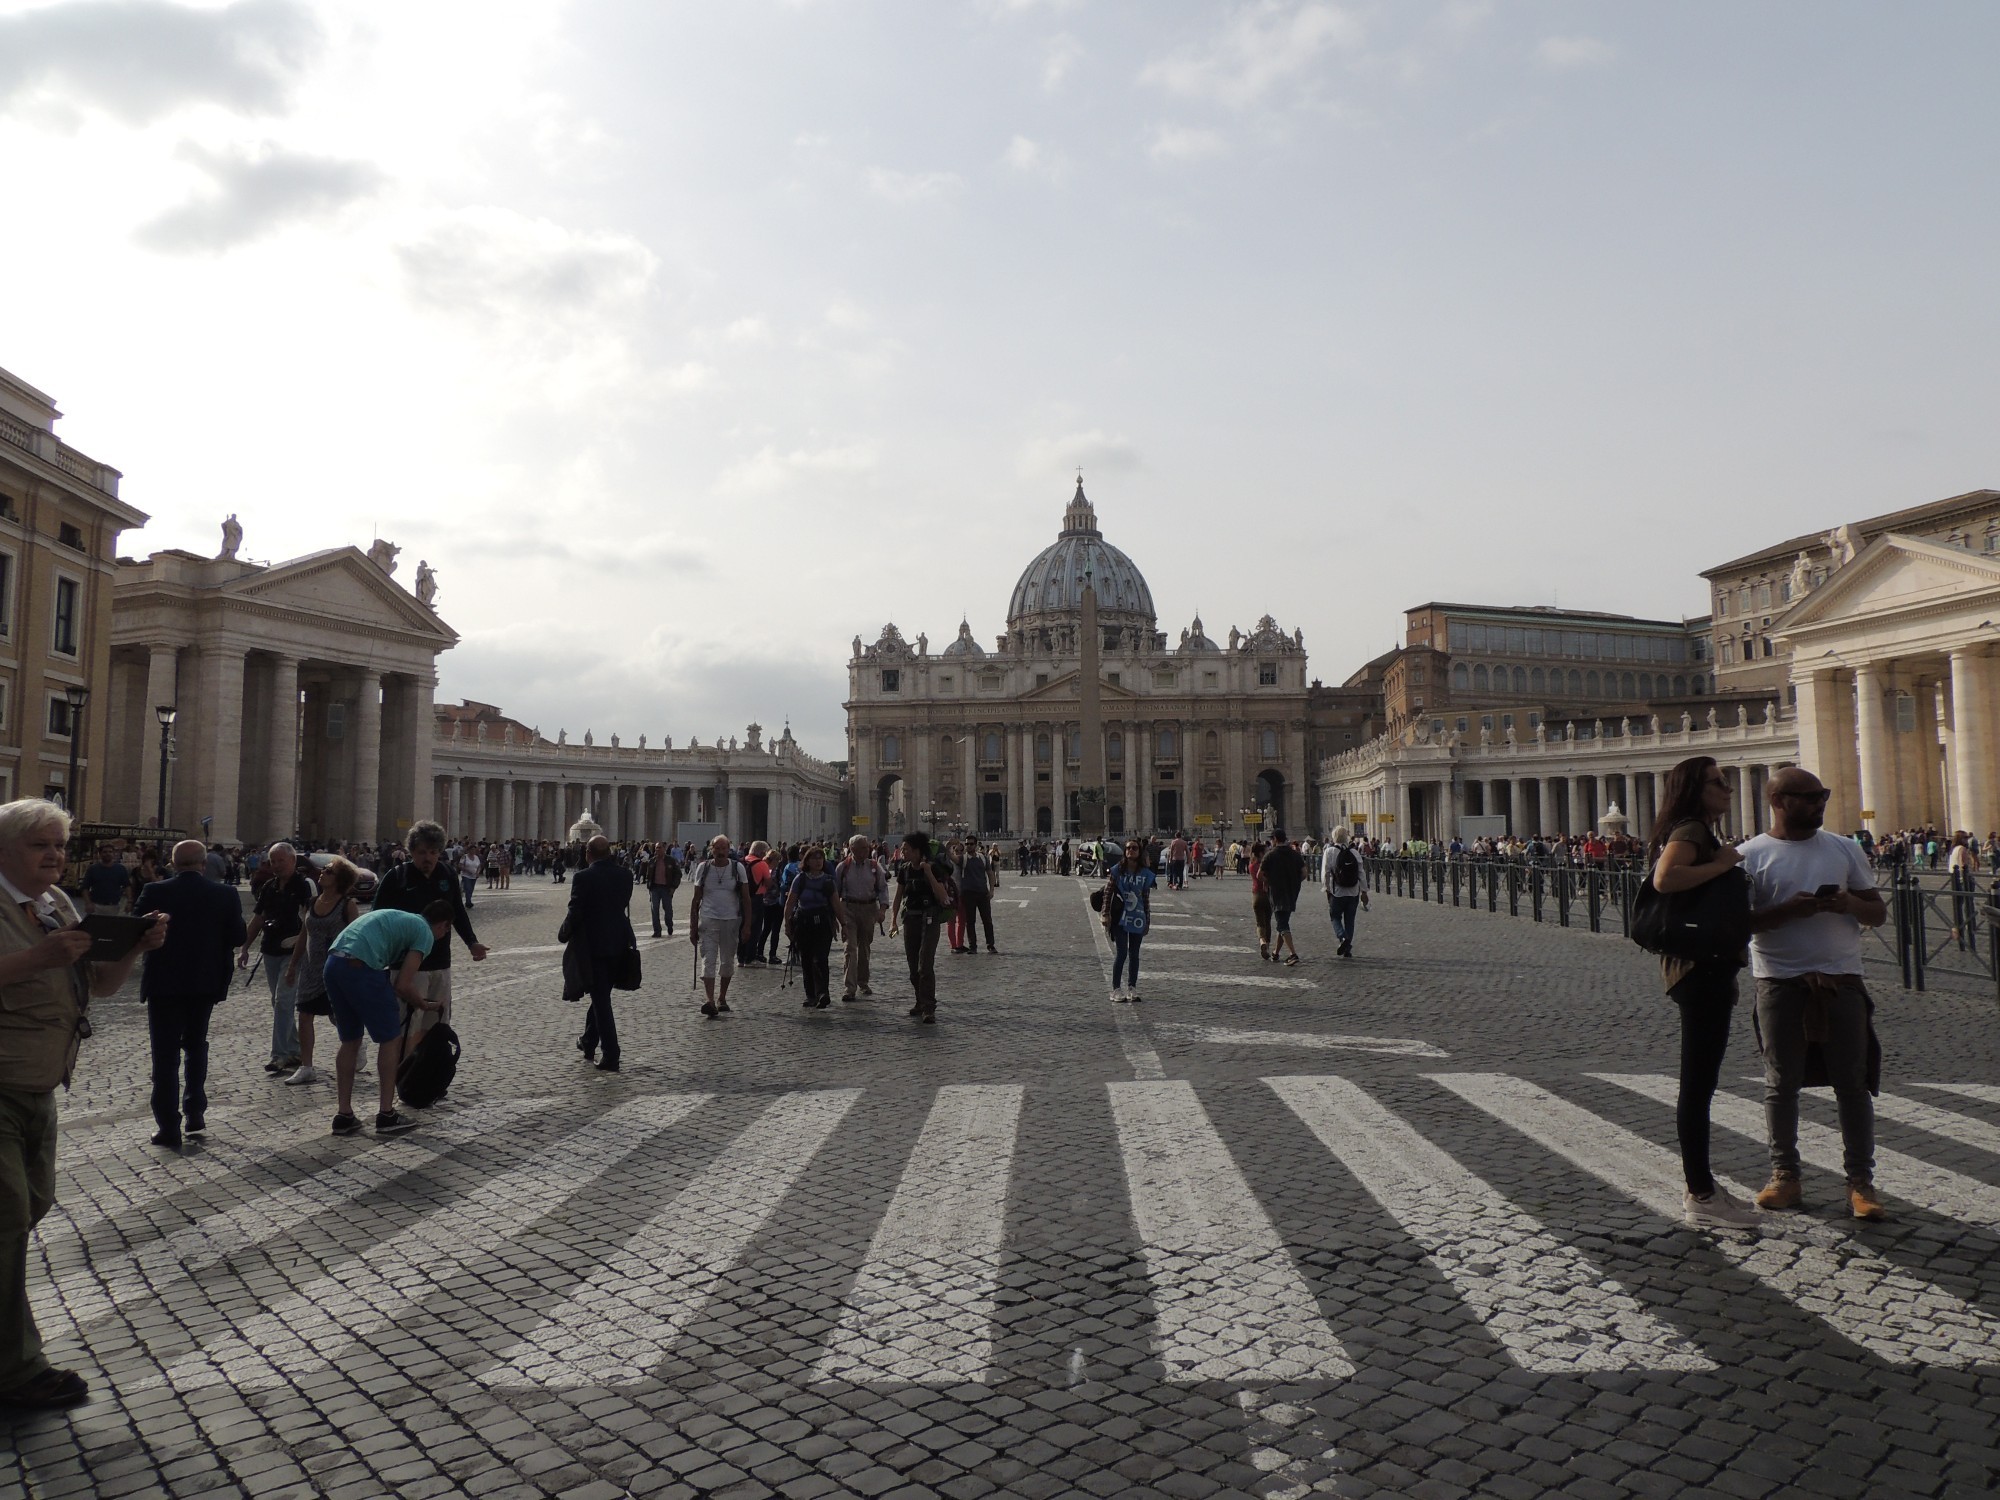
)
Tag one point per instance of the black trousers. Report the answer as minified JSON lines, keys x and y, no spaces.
{"x":1707,"y":1000}
{"x":600,"y":1027}
{"x":178,"y":1026}
{"x":920,"y":940}
{"x":813,"y":932}
{"x":977,"y":904}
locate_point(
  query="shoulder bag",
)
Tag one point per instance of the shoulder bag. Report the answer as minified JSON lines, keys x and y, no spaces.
{"x":1709,"y":922}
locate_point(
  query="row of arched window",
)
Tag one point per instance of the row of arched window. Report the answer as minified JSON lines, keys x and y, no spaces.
{"x":1631,"y":686}
{"x":992,"y":749}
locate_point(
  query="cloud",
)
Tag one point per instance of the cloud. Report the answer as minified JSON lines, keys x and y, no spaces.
{"x":769,"y":470}
{"x":849,"y":317}
{"x":1564,"y":53}
{"x":1094,"y":451}
{"x":1031,"y":159}
{"x":748,"y":331}
{"x":492,"y":260}
{"x":1064,"y":53}
{"x":692,"y":376}
{"x":141,"y":59}
{"x":1178,"y":143}
{"x":253,"y":193}
{"x":913,"y":187}
{"x":1262,"y":45}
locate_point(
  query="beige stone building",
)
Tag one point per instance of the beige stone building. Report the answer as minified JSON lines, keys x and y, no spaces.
{"x":1195,"y":733}
{"x":303,"y":693}
{"x":60,"y":516}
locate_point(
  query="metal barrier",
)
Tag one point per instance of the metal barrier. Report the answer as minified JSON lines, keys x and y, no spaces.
{"x":1937,"y":925}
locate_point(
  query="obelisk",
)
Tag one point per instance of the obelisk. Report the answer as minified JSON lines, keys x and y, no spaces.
{"x":1090,"y":788}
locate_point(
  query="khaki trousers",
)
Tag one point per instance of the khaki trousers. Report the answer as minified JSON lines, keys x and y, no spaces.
{"x":854,"y":962}
{"x":27,"y":1191}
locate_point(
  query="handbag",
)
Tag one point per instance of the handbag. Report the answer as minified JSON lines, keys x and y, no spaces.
{"x":1709,"y":922}
{"x":625,"y":970}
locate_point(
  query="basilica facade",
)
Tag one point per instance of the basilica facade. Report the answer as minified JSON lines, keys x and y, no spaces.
{"x":1196,"y":735}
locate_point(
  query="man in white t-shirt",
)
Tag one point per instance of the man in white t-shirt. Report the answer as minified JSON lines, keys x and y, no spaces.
{"x":1811,"y":893}
{"x":719,"y":919}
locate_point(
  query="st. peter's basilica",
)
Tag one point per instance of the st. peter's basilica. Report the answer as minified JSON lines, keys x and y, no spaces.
{"x":1196,"y":734}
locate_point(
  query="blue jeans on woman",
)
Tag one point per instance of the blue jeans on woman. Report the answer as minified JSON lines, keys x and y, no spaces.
{"x":1125,"y":946}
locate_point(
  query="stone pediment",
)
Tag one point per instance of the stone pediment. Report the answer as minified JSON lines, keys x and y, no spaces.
{"x":1894,"y":574}
{"x":340,"y":585}
{"x":1068,"y":688}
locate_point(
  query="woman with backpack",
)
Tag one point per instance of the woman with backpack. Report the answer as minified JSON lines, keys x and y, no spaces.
{"x":1345,"y":878}
{"x":924,"y":895}
{"x":812,"y":913}
{"x":1686,"y":853}
{"x":1128,"y":914}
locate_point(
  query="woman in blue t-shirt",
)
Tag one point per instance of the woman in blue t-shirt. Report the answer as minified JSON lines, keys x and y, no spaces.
{"x":812,"y":912}
{"x":1128,"y":912}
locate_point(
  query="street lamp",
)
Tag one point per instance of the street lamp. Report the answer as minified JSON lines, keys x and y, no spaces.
{"x":166,"y":713}
{"x":78,"y":695}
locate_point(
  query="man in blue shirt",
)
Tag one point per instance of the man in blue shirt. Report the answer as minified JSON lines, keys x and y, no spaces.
{"x":364,"y":998}
{"x":106,"y":882}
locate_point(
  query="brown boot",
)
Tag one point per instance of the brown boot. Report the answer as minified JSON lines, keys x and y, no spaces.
{"x":1781,"y":1192}
{"x":1862,"y":1201}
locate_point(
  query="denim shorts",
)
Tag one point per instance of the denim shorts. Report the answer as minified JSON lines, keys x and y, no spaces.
{"x":362,"y":999}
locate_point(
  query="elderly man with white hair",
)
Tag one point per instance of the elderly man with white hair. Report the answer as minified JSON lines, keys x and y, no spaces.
{"x":46,"y":985}
{"x":278,"y":919}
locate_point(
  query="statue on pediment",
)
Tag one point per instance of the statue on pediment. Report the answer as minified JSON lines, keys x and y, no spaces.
{"x":614,"y":741}
{"x":427,"y":584}
{"x":382,"y":552}
{"x":232,"y":538}
{"x":1235,"y":638}
{"x":857,"y":646}
{"x":1840,"y":542}
{"x":562,"y":736}
{"x":589,"y":738}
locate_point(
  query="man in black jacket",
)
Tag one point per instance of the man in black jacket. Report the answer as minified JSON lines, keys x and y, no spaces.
{"x":600,"y":900}
{"x":412,"y":886}
{"x":1284,"y":876}
{"x":184,"y":978}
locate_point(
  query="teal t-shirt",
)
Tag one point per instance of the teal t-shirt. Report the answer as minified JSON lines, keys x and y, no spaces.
{"x":381,"y":938}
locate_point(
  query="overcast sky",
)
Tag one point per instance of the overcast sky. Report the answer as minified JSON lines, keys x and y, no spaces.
{"x":687,"y":341}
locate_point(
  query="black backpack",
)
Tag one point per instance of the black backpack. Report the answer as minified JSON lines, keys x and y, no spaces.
{"x":426,"y":1072}
{"x":1346,"y":867}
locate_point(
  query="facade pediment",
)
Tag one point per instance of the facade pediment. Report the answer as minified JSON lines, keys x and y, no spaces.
{"x":1896,"y":574}
{"x":341,"y":585}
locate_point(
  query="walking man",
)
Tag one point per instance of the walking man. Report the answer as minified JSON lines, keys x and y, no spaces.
{"x":276,"y":921}
{"x":600,"y":901}
{"x":922,"y":902}
{"x":1811,"y":893}
{"x":978,"y":878}
{"x":864,"y":898}
{"x":1284,"y":877}
{"x":1177,"y":855}
{"x":663,"y":878}
{"x":183,"y":979}
{"x":106,"y":880}
{"x":363,"y":996}
{"x":423,"y":880}
{"x":719,"y":921}
{"x":1345,"y":877}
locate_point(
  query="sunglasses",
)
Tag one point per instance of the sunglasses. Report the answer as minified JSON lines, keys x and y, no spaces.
{"x":1819,"y":796}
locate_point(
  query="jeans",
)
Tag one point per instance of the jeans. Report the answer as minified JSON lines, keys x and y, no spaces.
{"x":600,"y":1027}
{"x":179,"y":1025}
{"x":1125,"y":945}
{"x":663,"y":908}
{"x":770,"y":928}
{"x":920,"y":940}
{"x":27,"y":1192}
{"x":1781,"y":1033}
{"x":1176,"y":874}
{"x":284,"y":1008}
{"x":1342,"y":910}
{"x":1707,"y":999}
{"x":469,"y":884}
{"x":814,"y":931}
{"x":977,"y":905}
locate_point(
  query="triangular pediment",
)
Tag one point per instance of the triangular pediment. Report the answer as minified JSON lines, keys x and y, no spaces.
{"x":341,"y":584}
{"x":1068,"y":687}
{"x":1893,"y":574}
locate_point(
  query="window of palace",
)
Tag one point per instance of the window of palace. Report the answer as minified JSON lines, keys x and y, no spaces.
{"x":1268,"y":744}
{"x":60,"y":717}
{"x":1114,"y":747}
{"x":1480,"y":682}
{"x":944,"y":750}
{"x":990,"y":752}
{"x":1461,"y":676}
{"x":1486,"y":722}
{"x":1041,"y":679}
{"x":1112,"y":678}
{"x":1163,"y":677}
{"x":63,"y":626}
{"x":1076,"y":744}
{"x":1043,"y":750}
{"x":1537,"y":683}
{"x":892,"y":680}
{"x":1534,"y":721}
{"x":1506,"y":721}
{"x":6,"y":594}
{"x":1680,"y":686}
{"x":991,"y":682}
{"x":946,"y":683}
{"x":1763,"y":596}
{"x":1721,"y":604}
{"x":892,"y":750}
{"x":1416,"y":677}
{"x":70,"y":535}
{"x":1267,"y":674}
{"x":1213,"y":746}
{"x":1726,"y":652}
{"x":1166,"y":744}
{"x":1209,"y":679}
{"x":1437,"y":726}
{"x":1906,"y":714}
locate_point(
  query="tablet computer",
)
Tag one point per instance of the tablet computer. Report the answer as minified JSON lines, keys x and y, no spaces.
{"x":112,"y":936}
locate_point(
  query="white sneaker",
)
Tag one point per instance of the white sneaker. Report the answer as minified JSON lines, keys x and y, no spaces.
{"x":1717,"y":1211}
{"x":1117,"y":995}
{"x":306,"y":1074}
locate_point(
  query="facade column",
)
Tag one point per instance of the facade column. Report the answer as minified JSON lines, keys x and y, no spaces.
{"x":535,"y":810}
{"x":1058,"y":756}
{"x":281,"y":811}
{"x":1927,"y":752}
{"x":472,"y":807}
{"x":161,"y":687}
{"x":213,"y":764}
{"x":366,"y":817}
{"x":1976,"y":788}
{"x":423,"y":740}
{"x":1879,"y":804}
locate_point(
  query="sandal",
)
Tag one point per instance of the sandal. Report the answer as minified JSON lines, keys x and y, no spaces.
{"x":1292,"y":962}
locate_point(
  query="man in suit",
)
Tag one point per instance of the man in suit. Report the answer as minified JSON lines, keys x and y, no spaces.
{"x":600,"y":919}
{"x":184,"y":978}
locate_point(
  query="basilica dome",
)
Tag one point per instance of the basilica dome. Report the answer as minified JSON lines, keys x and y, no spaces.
{"x":1051,"y":587}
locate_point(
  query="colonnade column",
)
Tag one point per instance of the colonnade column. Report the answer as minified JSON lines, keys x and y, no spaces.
{"x":281,"y":812}
{"x":161,"y":672}
{"x":534,"y":810}
{"x":214,"y":761}
{"x":1877,"y":752}
{"x":1976,"y":788}
{"x":368,"y":757}
{"x":423,"y":737}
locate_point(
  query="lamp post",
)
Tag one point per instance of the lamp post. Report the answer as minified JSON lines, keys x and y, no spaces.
{"x":166,"y":713}
{"x":78,"y":695}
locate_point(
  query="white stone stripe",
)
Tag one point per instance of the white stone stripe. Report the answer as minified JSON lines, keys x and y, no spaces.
{"x":1541,"y":1299}
{"x":86,"y":1295}
{"x":1943,"y":1122}
{"x":1252,"y":981}
{"x":624,"y":1318}
{"x":318,"y":1324}
{"x":1153,"y":947}
{"x":1985,"y":1093}
{"x":1940,"y":1191}
{"x":922,"y":1306}
{"x":1159,"y":926}
{"x":1230,"y":1036}
{"x":1826,"y":1272}
{"x":1228,"y":1302}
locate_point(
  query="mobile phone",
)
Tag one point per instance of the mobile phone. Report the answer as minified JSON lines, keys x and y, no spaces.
{"x":1827,"y":892}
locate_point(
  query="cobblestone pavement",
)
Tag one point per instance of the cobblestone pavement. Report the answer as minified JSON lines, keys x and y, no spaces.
{"x":1399,"y":1226}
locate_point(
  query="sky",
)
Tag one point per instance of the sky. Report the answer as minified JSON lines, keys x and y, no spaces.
{"x":689,"y":341}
